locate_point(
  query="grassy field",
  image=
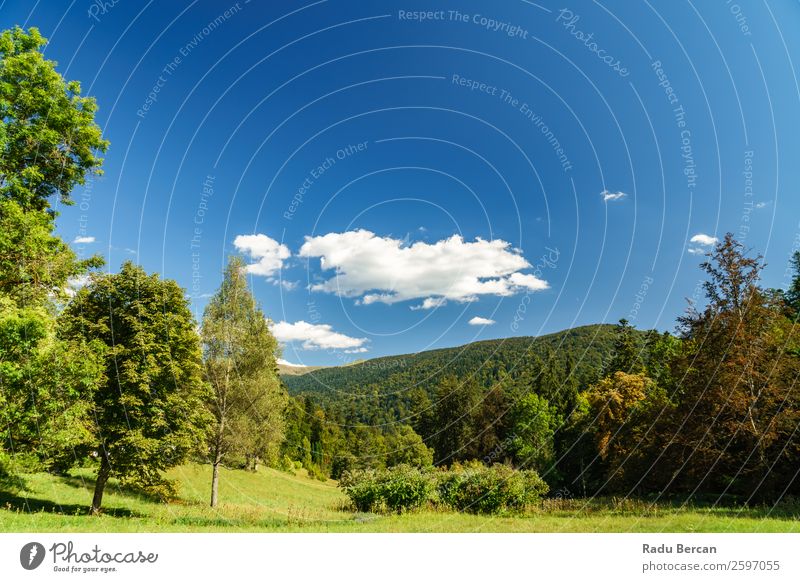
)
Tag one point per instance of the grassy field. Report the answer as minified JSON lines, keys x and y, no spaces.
{"x":272,"y":501}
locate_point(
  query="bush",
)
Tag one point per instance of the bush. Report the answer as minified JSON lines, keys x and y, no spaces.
{"x":480,"y":489}
{"x":316,"y":472}
{"x":286,"y":464}
{"x":474,"y":488}
{"x":342,"y":464}
{"x":400,"y":488}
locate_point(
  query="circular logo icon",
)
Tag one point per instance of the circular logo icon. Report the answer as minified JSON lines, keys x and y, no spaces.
{"x":31,"y":555}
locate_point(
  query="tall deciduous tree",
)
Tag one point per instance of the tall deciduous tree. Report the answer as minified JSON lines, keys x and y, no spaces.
{"x":735,"y":428}
{"x":49,"y":140}
{"x":239,"y":352}
{"x":49,"y":144}
{"x":150,"y":410}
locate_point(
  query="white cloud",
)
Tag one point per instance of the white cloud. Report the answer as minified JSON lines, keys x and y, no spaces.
{"x":430,"y":303}
{"x":612,"y":196}
{"x":284,"y":284}
{"x":268,"y":253}
{"x":74,"y":284}
{"x":316,"y":336}
{"x":83,"y":240}
{"x":704,"y":240}
{"x":377,"y":269}
{"x":283,"y":362}
{"x":481,"y":321}
{"x":696,"y":251}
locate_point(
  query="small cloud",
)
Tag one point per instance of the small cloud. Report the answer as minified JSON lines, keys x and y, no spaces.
{"x":130,"y":251}
{"x":316,"y":336}
{"x":760,"y":205}
{"x":612,"y":196}
{"x":356,"y":351}
{"x":430,"y":303}
{"x":704,"y":240}
{"x":481,"y":321}
{"x":268,"y":253}
{"x":284,"y":284}
{"x":283,"y":362}
{"x":74,"y":284}
{"x":696,"y":251}
{"x":83,"y":240}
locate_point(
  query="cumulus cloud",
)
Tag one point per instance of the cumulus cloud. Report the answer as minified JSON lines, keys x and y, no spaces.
{"x":74,"y":284}
{"x":376,"y":269}
{"x":316,"y":336}
{"x":83,"y":240}
{"x":481,"y":321}
{"x":612,"y":196}
{"x":268,"y":253}
{"x":704,"y":240}
{"x":283,"y":362}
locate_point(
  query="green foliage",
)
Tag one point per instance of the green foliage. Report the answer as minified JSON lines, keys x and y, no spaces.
{"x":49,"y":139}
{"x":240,"y":366}
{"x":35,"y":265}
{"x":472,"y":488}
{"x":476,"y":488}
{"x":150,"y":408}
{"x":397,"y":489}
{"x":535,"y":423}
{"x":389,"y":378}
{"x":47,"y":385}
{"x":406,"y":447}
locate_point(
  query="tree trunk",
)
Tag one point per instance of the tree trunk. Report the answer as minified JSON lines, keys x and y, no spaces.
{"x":214,"y":484}
{"x":100,"y":484}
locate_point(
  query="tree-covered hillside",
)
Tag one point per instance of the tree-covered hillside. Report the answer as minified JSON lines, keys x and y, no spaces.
{"x":587,"y":348}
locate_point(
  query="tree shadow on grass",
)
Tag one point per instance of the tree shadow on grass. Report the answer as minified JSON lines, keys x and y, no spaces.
{"x":14,"y":502}
{"x":113,"y":486}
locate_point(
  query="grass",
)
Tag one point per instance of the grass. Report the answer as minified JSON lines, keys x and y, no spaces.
{"x":272,"y":501}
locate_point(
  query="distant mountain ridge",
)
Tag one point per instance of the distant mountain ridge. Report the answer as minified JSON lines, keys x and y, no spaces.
{"x":586,"y":348}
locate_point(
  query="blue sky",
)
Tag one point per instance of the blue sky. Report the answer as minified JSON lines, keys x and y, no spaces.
{"x":393,"y":176}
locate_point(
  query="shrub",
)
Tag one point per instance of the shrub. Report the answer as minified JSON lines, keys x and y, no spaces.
{"x":480,"y":489}
{"x":286,"y":464}
{"x":342,"y":464}
{"x":397,"y":489}
{"x":474,"y":488}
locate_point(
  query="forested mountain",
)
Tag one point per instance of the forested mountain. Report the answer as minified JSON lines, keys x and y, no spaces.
{"x":586,"y":348}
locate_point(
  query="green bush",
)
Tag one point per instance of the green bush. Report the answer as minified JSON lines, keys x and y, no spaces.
{"x":400,"y":488}
{"x":286,"y":464}
{"x":342,"y":464}
{"x":474,"y":488}
{"x":479,"y":489}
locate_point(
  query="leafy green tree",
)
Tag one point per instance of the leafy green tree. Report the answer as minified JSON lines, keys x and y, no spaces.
{"x":49,"y":144}
{"x":46,"y":385}
{"x":150,"y":409}
{"x":627,"y":354}
{"x":455,"y":402}
{"x":791,"y":296}
{"x":406,"y":447}
{"x":49,"y":139}
{"x":535,"y":422}
{"x":239,"y":361}
{"x":35,"y":265}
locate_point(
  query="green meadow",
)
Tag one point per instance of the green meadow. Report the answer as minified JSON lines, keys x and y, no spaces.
{"x":273,"y":501}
